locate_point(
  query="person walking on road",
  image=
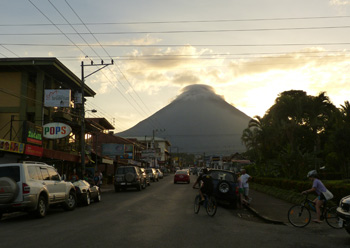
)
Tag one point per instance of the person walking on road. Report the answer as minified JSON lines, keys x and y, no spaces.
{"x":245,"y":183}
{"x":240,"y":191}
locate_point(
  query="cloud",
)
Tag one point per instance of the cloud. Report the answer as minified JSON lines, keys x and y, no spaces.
{"x":316,"y":57}
{"x":198,"y":91}
{"x":185,"y":78}
{"x":339,"y":2}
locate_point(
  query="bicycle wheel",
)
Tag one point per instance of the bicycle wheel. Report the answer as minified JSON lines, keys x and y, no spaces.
{"x":332,"y":218}
{"x":299,"y":216}
{"x":196,"y":204}
{"x":211,"y":206}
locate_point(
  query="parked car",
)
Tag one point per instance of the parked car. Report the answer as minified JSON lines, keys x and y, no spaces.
{"x":182,"y":176}
{"x":87,"y":192}
{"x":153,"y":175}
{"x":225,"y":186}
{"x":33,"y":187}
{"x":129,"y":176}
{"x":343,"y":212}
{"x":160,"y":174}
{"x":146,"y":176}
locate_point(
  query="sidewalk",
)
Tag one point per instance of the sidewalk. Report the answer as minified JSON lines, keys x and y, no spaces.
{"x":107,"y":188}
{"x":269,"y":208}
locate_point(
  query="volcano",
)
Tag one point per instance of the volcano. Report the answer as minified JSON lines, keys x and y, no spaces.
{"x":198,"y":121}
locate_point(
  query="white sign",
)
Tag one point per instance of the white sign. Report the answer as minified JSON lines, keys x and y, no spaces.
{"x":57,"y":98}
{"x":56,"y":130}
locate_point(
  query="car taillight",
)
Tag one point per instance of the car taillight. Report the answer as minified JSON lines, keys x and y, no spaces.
{"x":25,"y":188}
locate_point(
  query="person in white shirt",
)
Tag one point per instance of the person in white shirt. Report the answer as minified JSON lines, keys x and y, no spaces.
{"x":245,"y":183}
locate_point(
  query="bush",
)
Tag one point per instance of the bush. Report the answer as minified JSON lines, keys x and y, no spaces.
{"x":338,"y":188}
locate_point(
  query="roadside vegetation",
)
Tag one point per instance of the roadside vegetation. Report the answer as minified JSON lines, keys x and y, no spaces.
{"x":297,"y":134}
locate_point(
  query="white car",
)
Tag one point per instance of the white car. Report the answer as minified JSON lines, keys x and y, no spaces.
{"x":343,"y":212}
{"x":160,"y":174}
{"x":33,"y":187}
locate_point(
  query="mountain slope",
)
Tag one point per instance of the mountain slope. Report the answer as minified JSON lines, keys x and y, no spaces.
{"x":197,"y":121}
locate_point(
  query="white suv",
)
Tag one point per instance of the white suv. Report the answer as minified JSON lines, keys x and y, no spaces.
{"x":33,"y":187}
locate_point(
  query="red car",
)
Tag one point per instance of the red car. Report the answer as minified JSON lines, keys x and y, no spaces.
{"x":182,"y":176}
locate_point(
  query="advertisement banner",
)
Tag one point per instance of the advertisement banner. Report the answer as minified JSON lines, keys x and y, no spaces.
{"x":32,"y":133}
{"x":34,"y":150}
{"x":57,"y":98}
{"x":112,"y":150}
{"x":56,"y":130}
{"x":11,"y":146}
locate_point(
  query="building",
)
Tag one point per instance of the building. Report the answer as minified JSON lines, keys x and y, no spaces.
{"x":35,"y":92}
{"x":156,"y":152}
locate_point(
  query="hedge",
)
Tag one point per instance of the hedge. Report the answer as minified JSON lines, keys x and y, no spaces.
{"x":338,"y":189}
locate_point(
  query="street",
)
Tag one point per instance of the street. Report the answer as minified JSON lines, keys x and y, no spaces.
{"x":159,"y":216}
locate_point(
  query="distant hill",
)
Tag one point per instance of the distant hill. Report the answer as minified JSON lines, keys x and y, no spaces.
{"x":197,"y":121}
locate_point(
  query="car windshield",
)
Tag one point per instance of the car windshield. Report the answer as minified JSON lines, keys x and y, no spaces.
{"x":222,"y":175}
{"x":149,"y":170}
{"x":124,"y":170}
{"x":181,"y":172}
{"x":10,"y":171}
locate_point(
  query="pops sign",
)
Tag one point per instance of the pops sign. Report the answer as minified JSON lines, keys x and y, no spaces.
{"x":56,"y":130}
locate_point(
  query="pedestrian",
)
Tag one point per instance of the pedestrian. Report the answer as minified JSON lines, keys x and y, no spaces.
{"x":245,"y":183}
{"x":97,"y":179}
{"x":100,"y":175}
{"x":74,"y":177}
{"x":322,"y":192}
{"x":240,"y":191}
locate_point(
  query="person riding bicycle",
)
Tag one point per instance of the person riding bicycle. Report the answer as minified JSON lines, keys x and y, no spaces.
{"x":319,"y":188}
{"x":205,"y":183}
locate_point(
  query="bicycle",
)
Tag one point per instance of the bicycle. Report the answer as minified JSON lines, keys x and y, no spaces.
{"x":300,"y":215}
{"x":209,"y":204}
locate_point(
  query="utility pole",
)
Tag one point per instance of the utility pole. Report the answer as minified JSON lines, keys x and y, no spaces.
{"x":82,"y":141}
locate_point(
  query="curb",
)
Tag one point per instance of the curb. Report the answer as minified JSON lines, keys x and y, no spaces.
{"x":264,"y":218}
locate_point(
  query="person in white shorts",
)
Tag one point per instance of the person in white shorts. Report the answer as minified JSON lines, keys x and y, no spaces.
{"x":245,"y":182}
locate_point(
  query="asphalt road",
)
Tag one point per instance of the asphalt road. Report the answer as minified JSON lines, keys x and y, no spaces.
{"x":160,"y":216}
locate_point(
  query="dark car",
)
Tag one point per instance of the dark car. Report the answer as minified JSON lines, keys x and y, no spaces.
{"x":146,"y":176}
{"x":182,"y":176}
{"x":343,"y":212}
{"x":129,"y":176}
{"x":87,"y":192}
{"x":225,"y":186}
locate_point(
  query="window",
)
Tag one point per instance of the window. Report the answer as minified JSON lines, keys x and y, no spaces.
{"x":10,"y":171}
{"x":45,"y":174}
{"x":34,"y":173}
{"x":54,"y":175}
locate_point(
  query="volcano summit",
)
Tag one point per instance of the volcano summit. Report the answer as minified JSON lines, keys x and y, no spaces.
{"x":198,"y":121}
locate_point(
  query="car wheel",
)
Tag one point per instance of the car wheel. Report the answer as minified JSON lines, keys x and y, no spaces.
{"x":88,"y":199}
{"x":144,"y":184}
{"x":10,"y":188}
{"x":139,"y":187}
{"x":71,"y":203}
{"x":41,"y":208}
{"x":224,"y":187}
{"x":98,"y":197}
{"x":129,"y":177}
{"x":174,"y":182}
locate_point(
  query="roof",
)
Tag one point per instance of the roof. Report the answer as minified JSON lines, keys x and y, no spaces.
{"x":50,"y":65}
{"x":101,"y":122}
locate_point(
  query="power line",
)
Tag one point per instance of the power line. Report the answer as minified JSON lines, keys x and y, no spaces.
{"x":110,"y":58}
{"x":179,"y":31}
{"x":182,"y":21}
{"x":189,"y":45}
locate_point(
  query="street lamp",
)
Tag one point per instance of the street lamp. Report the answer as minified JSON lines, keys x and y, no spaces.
{"x":83,"y":139}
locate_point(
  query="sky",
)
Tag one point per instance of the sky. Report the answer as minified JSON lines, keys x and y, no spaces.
{"x":247,"y":51}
